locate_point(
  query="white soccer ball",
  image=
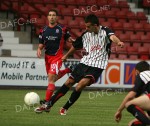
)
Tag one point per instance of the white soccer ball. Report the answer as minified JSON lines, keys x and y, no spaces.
{"x":32,"y":99}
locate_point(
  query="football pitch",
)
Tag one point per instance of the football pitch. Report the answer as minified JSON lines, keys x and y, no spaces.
{"x":93,"y":108}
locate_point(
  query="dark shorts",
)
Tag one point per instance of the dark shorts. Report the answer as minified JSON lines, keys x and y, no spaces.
{"x":84,"y":71}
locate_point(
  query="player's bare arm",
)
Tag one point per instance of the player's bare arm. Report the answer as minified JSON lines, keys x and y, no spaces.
{"x":116,"y":40}
{"x":72,"y":49}
{"x":128,"y":97}
{"x":40,"y":47}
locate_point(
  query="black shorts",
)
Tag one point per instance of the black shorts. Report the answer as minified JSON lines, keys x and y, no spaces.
{"x":84,"y":71}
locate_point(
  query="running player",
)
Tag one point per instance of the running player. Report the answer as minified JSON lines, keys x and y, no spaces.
{"x":137,"y":106}
{"x":52,"y":38}
{"x":96,"y":40}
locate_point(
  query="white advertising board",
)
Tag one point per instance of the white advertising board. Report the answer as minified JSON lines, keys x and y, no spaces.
{"x":31,"y":72}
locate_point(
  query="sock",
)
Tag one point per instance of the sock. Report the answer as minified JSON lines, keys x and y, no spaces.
{"x":61,"y":92}
{"x":139,"y":114}
{"x":49,"y":91}
{"x":74,"y":96}
{"x":61,"y":73}
{"x":137,"y":123}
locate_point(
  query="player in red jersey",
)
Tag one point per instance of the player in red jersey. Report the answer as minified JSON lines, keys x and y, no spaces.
{"x":52,"y":39}
{"x":138,"y":99}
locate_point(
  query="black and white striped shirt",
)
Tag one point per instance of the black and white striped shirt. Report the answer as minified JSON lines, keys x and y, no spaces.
{"x":97,"y":47}
{"x":142,"y":83}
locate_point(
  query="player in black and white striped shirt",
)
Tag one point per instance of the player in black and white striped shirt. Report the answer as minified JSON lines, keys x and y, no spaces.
{"x":96,"y":40}
{"x":137,"y":106}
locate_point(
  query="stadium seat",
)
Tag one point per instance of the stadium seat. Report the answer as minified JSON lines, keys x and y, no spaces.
{"x":68,"y":18}
{"x":131,"y":15}
{"x":113,"y":56}
{"x":138,"y":27}
{"x":112,"y":3}
{"x":129,"y":32}
{"x":135,"y":38}
{"x":101,"y":20}
{"x":70,"y":2}
{"x":117,"y":26}
{"x":118,"y":32}
{"x":141,"y":16}
{"x":133,"y":57}
{"x":82,"y":24}
{"x":145,"y":38}
{"x":60,"y":1}
{"x":81,"y":2}
{"x":101,"y":2}
{"x":41,"y":22}
{"x":125,"y":37}
{"x":144,"y":53}
{"x":63,"y":21}
{"x":123,"y":4}
{"x":139,"y":33}
{"x":110,"y":14}
{"x":121,"y":50}
{"x":122,"y":20}
{"x":146,"y":44}
{"x":73,"y":24}
{"x":48,"y":1}
{"x":146,"y":27}
{"x":136,"y":44}
{"x":108,"y":24}
{"x":67,"y":12}
{"x":121,"y":15}
{"x":100,"y":14}
{"x":50,"y":6}
{"x":122,"y":57}
{"x":127,"y":26}
{"x":132,"y":50}
{"x":91,"y":2}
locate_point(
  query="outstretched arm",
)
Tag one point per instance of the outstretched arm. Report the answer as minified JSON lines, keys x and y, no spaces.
{"x":72,"y":49}
{"x":117,"y":41}
{"x":128,"y":97}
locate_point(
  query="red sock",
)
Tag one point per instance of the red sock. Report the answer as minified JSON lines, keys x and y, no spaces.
{"x":49,"y":91}
{"x":61,"y":73}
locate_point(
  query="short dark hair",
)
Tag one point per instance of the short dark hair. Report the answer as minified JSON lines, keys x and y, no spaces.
{"x":53,"y":10}
{"x":93,"y":19}
{"x":142,"y":66}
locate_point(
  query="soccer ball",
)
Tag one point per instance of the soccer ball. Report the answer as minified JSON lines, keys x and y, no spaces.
{"x":32,"y":99}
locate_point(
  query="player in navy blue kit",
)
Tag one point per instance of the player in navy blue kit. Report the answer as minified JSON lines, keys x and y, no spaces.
{"x":135,"y":102}
{"x":96,"y":40}
{"x":52,"y":38}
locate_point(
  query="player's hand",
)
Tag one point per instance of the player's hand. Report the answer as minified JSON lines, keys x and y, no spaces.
{"x":121,"y":44}
{"x":64,"y":58}
{"x":38,"y":53}
{"x":118,"y":116}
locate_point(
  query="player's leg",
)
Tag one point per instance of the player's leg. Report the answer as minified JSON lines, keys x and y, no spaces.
{"x":76,"y":93}
{"x":52,"y":78}
{"x":137,"y":106}
{"x":91,"y":76}
{"x":61,"y":92}
{"x":135,"y":122}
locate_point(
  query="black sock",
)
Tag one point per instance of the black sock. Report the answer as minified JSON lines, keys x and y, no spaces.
{"x":139,"y":114}
{"x":58,"y":94}
{"x":74,"y":96}
{"x":137,"y":123}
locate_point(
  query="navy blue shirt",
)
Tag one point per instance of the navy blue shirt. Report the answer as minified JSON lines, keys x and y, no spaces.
{"x":53,"y":39}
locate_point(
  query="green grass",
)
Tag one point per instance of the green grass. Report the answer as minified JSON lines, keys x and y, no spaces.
{"x":93,"y":108}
